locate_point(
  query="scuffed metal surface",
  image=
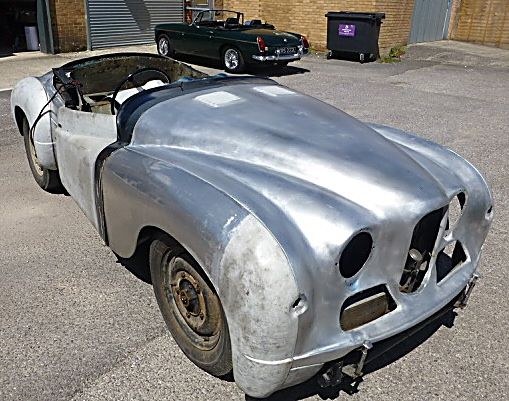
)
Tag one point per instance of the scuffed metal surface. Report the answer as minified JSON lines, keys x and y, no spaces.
{"x":265,"y":187}
{"x":79,"y":139}
{"x":314,"y":179}
{"x":259,"y":291}
{"x":30,"y":96}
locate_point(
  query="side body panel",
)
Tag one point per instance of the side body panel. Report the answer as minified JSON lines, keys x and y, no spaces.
{"x":79,"y":139}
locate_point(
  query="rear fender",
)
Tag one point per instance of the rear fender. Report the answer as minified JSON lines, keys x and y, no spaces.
{"x":28,"y":99}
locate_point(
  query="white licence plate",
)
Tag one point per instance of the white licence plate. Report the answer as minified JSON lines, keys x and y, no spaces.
{"x":288,"y":50}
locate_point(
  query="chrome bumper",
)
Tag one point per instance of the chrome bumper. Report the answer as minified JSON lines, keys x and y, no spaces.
{"x":277,"y":57}
{"x":282,"y":57}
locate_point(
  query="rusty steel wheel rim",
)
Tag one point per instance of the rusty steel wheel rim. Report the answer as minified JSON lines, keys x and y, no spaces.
{"x":37,"y":167}
{"x":195,"y":306}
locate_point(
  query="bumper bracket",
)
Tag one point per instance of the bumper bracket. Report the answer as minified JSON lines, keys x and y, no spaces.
{"x":355,"y":370}
{"x":463,"y":299}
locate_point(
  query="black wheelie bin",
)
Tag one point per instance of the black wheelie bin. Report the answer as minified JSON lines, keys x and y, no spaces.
{"x":353,"y":34}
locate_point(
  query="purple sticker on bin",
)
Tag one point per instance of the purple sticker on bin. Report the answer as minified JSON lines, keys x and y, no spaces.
{"x":346,"y":30}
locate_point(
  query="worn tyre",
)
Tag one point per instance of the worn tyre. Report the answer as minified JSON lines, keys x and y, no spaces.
{"x":49,"y":180}
{"x":233,"y":60}
{"x":191,"y":307}
{"x":163,"y":45}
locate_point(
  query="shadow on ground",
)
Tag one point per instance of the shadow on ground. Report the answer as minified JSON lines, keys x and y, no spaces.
{"x":277,"y":71}
{"x":383,"y":353}
{"x":5,"y":52}
{"x":268,"y":70}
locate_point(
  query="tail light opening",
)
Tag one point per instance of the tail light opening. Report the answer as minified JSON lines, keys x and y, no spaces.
{"x":305,"y":42}
{"x":261,"y":44}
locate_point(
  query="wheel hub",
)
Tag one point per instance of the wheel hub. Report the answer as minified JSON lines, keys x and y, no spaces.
{"x":231,"y":59}
{"x":163,"y":46}
{"x":190,"y":301}
{"x":196,"y":306}
{"x":189,"y":295}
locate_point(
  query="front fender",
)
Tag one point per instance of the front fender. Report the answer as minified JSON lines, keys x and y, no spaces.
{"x":29,"y":96}
{"x":243,"y":260}
{"x":262,"y":303}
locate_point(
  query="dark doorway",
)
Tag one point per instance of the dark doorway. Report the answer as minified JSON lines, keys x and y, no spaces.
{"x":18,"y":26}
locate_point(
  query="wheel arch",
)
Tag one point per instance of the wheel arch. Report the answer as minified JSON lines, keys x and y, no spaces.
{"x":159,"y":34}
{"x":156,"y":210}
{"x":29,"y":99}
{"x":138,"y":262}
{"x":227,"y":45}
{"x":245,"y":298}
{"x":19,"y":115}
{"x":262,"y":303}
{"x":242,"y":62}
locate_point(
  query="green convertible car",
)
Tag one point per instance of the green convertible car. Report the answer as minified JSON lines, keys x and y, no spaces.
{"x":225,"y":36}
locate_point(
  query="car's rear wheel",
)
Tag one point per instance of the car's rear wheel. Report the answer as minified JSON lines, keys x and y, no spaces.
{"x":191,"y":308}
{"x":164,"y":46}
{"x":233,"y":60}
{"x":49,"y":180}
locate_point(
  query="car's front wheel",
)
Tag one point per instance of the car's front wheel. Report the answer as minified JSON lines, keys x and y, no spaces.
{"x":233,"y":60}
{"x":163,"y":46}
{"x":49,"y":180}
{"x":191,"y":307}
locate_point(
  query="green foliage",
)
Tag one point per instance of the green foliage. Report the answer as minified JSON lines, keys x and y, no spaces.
{"x":394,"y":54}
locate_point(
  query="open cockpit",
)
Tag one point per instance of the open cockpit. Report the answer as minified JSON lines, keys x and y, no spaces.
{"x":101,"y":84}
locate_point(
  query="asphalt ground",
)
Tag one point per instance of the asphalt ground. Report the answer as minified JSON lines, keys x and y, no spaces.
{"x":76,"y":325}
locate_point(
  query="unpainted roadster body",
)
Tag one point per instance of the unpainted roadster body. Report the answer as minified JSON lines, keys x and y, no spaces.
{"x":281,"y":234}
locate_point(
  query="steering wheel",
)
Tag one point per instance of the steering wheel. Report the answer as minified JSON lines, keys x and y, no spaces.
{"x":130,"y":78}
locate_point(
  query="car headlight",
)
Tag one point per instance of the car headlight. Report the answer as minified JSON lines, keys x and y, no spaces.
{"x":355,"y":254}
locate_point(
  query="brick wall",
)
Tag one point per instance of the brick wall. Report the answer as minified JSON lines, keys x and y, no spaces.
{"x":398,"y":20}
{"x":478,"y":21}
{"x":251,"y":9}
{"x":308,"y":18}
{"x":482,"y":21}
{"x":68,"y":25}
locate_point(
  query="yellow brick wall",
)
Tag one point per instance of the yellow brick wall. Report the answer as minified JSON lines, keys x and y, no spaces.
{"x":479,"y":21}
{"x":398,"y":20}
{"x":308,"y":18}
{"x":68,"y":25}
{"x":251,"y":9}
{"x":482,"y":21}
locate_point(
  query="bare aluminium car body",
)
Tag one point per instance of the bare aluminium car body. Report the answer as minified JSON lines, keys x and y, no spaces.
{"x":320,"y":234}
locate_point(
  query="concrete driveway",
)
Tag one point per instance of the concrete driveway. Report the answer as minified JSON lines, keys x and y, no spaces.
{"x":75,"y":325}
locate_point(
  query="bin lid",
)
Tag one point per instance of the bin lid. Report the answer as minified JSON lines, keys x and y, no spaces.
{"x":354,"y":15}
